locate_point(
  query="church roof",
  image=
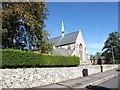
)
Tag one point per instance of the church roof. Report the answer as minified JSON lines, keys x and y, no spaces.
{"x":67,"y":39}
{"x":62,"y":51}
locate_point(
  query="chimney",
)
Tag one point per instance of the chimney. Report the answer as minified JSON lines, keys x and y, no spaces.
{"x":62,"y":30}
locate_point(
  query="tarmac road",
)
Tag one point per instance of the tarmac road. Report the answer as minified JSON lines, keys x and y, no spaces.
{"x":111,"y":84}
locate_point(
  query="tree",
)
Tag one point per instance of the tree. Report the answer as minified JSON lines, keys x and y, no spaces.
{"x":21,"y":40}
{"x":98,"y":54}
{"x":112,"y":45}
{"x":91,"y":58}
{"x":33,"y":14}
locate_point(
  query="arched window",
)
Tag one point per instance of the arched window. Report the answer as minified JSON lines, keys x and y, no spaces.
{"x":81,"y":51}
{"x":85,"y":49}
{"x":80,"y":48}
{"x":74,"y":47}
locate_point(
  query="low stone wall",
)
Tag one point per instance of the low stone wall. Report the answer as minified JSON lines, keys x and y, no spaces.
{"x":33,"y":77}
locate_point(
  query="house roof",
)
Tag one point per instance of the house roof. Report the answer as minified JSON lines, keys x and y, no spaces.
{"x":67,"y":39}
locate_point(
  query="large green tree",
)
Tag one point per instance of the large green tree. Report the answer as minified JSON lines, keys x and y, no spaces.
{"x":33,"y":14}
{"x":112,"y":46}
{"x":98,"y":54}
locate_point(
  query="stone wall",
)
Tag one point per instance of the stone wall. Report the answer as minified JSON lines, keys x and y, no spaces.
{"x":33,"y":77}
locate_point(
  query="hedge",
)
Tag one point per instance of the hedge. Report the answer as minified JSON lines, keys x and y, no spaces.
{"x":116,"y":61}
{"x":12,"y":58}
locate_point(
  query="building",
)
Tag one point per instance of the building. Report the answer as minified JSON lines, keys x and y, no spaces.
{"x":71,"y":44}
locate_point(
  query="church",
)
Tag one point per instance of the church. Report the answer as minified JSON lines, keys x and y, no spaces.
{"x":71,"y":44}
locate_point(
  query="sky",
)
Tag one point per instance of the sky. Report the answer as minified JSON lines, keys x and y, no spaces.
{"x":94,"y":19}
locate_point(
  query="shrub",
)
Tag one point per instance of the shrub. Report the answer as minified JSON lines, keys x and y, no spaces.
{"x":18,"y":59}
{"x":116,"y":61}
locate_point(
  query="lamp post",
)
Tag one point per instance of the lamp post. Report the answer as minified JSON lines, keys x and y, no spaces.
{"x":113,"y":54}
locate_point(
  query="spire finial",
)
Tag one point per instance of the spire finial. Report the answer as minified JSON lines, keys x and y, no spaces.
{"x":62,"y":30}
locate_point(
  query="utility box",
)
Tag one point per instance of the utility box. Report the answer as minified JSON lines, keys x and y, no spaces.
{"x":85,"y":72}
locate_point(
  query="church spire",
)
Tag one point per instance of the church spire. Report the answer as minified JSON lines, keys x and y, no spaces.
{"x":62,"y":30}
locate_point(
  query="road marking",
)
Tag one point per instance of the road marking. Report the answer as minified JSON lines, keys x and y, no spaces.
{"x":99,"y":81}
{"x":103,"y":80}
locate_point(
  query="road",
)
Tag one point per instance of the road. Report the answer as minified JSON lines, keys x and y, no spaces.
{"x":112,"y":84}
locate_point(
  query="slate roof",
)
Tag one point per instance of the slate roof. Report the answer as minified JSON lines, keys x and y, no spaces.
{"x":67,"y":39}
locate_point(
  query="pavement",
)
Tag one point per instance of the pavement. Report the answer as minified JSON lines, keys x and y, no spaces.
{"x":84,"y":81}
